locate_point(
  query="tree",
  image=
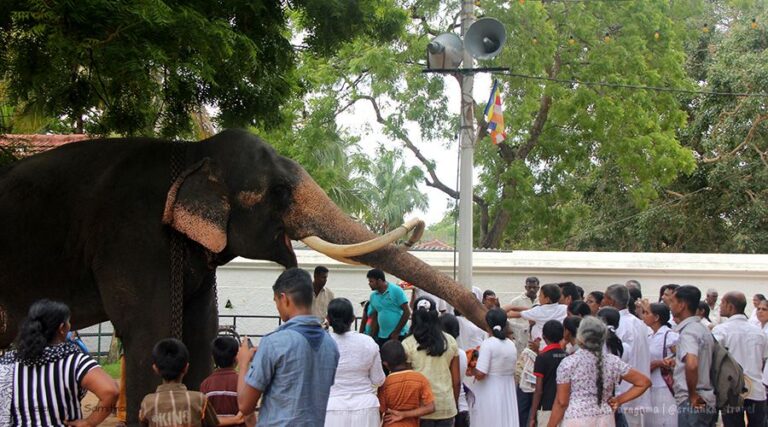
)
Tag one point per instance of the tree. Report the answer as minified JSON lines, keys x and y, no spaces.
{"x":392,"y":191}
{"x":722,"y":205}
{"x":325,"y":150}
{"x":561,"y":129}
{"x":144,"y":68}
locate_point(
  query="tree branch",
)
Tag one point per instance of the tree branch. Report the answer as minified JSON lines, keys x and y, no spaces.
{"x":435,"y":180}
{"x":750,"y":135}
{"x":423,"y":22}
{"x":509,"y":154}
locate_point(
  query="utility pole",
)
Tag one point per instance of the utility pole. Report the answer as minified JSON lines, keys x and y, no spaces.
{"x":481,"y":39}
{"x":467,"y":152}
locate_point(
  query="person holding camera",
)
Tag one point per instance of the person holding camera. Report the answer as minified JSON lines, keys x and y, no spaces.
{"x":294,"y":367}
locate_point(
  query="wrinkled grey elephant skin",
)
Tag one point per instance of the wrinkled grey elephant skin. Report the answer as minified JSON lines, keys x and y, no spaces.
{"x":89,"y":224}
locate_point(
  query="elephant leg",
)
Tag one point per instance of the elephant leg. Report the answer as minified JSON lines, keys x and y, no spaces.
{"x":200,"y":327}
{"x":139,"y":308}
{"x":140,"y":379}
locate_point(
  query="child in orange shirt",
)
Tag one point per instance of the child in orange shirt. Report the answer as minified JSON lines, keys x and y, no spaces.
{"x":405,"y":395}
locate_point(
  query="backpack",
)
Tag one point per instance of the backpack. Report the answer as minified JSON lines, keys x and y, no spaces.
{"x":727,"y":378}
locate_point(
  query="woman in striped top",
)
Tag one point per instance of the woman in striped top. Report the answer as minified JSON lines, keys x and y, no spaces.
{"x":43,"y":379}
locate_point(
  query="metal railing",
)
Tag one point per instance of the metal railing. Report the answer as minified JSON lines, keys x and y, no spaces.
{"x":242,"y":324}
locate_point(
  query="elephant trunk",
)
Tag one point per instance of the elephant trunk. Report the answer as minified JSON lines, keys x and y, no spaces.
{"x":314,"y":214}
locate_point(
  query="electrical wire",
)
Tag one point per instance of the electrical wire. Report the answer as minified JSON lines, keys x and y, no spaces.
{"x":631,"y":86}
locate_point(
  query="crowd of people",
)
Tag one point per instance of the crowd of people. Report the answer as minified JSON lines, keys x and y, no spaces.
{"x":550,"y":357}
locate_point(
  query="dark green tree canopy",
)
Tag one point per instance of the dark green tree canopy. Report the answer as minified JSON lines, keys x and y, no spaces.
{"x":146,"y":67}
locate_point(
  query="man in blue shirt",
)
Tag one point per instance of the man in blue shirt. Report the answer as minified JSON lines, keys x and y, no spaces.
{"x":294,"y":367}
{"x":390,"y":309}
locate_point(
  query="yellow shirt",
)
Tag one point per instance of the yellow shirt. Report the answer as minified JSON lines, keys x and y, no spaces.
{"x":437,"y":369}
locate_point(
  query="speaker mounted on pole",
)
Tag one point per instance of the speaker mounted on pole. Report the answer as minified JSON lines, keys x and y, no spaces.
{"x":485,"y":38}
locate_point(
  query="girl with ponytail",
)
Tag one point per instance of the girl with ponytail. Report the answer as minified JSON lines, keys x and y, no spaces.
{"x":353,"y":400}
{"x":434,"y":354}
{"x":586,"y":381}
{"x":495,"y":402}
{"x":56,"y":369}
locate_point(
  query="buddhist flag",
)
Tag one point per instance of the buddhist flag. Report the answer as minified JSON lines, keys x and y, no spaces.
{"x":494,"y":115}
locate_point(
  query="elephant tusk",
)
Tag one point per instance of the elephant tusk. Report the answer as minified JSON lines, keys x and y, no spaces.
{"x":418,"y":230}
{"x":345,"y":260}
{"x":416,"y":226}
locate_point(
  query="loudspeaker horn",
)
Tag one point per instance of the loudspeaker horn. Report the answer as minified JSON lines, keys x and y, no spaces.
{"x":485,"y":38}
{"x":445,"y":51}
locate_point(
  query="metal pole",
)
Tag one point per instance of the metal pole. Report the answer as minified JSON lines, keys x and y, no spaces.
{"x":466,"y":147}
{"x":98,"y":345}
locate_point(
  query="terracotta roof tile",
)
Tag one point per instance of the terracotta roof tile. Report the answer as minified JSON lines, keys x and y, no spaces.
{"x":26,"y":145}
{"x":432,"y":245}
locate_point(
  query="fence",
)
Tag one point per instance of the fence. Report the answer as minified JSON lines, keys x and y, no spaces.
{"x":99,"y":338}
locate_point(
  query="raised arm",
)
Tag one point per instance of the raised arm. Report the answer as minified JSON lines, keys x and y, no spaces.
{"x":105,"y":388}
{"x":640,"y":383}
{"x":247,"y":396}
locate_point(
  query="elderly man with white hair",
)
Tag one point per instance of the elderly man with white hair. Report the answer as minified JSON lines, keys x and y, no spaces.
{"x":714,"y":307}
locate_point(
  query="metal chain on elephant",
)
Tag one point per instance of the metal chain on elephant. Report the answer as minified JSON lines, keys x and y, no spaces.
{"x":176,"y":257}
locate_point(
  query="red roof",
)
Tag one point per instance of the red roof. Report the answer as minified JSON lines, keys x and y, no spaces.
{"x":433,"y":245}
{"x":27,"y":145}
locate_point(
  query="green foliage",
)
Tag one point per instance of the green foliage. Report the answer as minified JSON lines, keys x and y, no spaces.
{"x":392,"y":191}
{"x":332,"y":157}
{"x":722,"y":205}
{"x":584,"y":131}
{"x":143,"y":68}
{"x":445,"y":230}
{"x":566,"y":142}
{"x":112,"y":369}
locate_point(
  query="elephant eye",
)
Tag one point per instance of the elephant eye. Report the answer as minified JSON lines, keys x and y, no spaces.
{"x":280,"y":197}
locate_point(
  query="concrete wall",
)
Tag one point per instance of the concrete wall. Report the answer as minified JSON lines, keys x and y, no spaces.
{"x":247,"y":283}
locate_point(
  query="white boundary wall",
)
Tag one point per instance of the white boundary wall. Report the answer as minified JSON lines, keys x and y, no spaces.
{"x":247,"y":284}
{"x":505,"y":273}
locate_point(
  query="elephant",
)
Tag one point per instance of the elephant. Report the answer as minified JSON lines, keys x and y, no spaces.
{"x":103,"y":225}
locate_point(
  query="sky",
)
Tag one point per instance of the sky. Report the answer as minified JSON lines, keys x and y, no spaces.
{"x":360,"y":120}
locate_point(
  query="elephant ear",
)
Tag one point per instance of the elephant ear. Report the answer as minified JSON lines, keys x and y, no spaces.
{"x":197,"y":205}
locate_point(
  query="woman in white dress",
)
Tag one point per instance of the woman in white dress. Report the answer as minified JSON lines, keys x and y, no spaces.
{"x":495,"y":398}
{"x":660,"y":344}
{"x":353,"y":401}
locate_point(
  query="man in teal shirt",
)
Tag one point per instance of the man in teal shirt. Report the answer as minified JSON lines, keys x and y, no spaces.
{"x":389,"y":307}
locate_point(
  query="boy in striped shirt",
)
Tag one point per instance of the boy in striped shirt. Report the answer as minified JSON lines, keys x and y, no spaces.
{"x":172,"y":405}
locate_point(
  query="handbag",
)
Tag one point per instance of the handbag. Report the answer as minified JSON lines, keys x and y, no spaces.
{"x":666,"y":373}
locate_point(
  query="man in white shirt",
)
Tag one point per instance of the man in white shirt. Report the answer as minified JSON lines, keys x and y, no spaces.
{"x":521,"y":327}
{"x":756,"y":302}
{"x":633,"y":332}
{"x":749,"y":346}
{"x":714,"y":307}
{"x":470,"y":336}
{"x":322,"y":295}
